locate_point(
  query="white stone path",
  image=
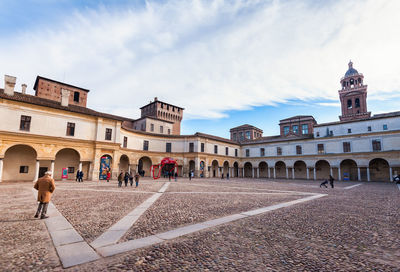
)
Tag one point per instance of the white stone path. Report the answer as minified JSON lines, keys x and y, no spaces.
{"x":351,"y":187}
{"x":73,"y":250}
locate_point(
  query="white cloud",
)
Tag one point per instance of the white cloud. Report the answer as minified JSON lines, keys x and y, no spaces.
{"x":214,"y":56}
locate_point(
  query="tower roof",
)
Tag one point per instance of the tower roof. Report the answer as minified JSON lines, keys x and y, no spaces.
{"x":351,"y":71}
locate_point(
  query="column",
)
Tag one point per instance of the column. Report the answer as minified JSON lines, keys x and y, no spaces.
{"x":274,"y":173}
{"x":358,"y":173}
{"x":269,"y":172}
{"x":80,"y":166}
{"x":258,"y":172}
{"x":37,"y":170}
{"x":293,"y":173}
{"x":129,"y":168}
{"x":368,"y":175}
{"x":331,"y":171}
{"x":1,"y":170}
{"x":308,"y":173}
{"x":52,"y":168}
{"x":391,"y":174}
{"x":315,"y":173}
{"x":218,"y":172}
{"x":252,"y":172}
{"x":287,"y":173}
{"x":339,"y":174}
{"x":243,"y":172}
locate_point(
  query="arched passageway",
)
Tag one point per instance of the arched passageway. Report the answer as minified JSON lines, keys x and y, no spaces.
{"x":226,"y":168}
{"x":235,"y":169}
{"x":322,"y":168}
{"x":263,"y":169}
{"x":214,"y":168}
{"x":379,"y":170}
{"x":144,"y":166}
{"x":19,"y":163}
{"x":248,"y":170}
{"x":191,"y":166}
{"x":300,"y":170}
{"x":280,"y":169}
{"x":69,"y":159}
{"x":348,"y":170}
{"x":124,"y":163}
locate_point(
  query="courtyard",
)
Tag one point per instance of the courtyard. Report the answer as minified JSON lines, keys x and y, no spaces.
{"x":202,"y":225}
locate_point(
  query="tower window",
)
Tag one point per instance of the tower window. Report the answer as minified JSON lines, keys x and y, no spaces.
{"x":385,"y":127}
{"x":304,"y":129}
{"x":349,"y":104}
{"x":349,"y":130}
{"x":295,"y":129}
{"x":369,"y":128}
{"x":357,"y":102}
{"x":76,"y":96}
{"x":286,"y":130}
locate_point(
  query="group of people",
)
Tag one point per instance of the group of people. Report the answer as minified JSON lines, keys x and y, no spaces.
{"x":227,"y":176}
{"x":127,"y":177}
{"x":79,"y":176}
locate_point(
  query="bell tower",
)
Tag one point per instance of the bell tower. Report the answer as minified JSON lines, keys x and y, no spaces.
{"x":353,"y":96}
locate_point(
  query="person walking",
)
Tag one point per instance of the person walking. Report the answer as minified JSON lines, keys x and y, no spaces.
{"x":222,"y":176}
{"x":80,"y":178}
{"x":120,"y":178}
{"x":137,"y":176}
{"x":176,"y":176}
{"x":190,"y":175}
{"x":130,"y":178}
{"x":331,"y":179}
{"x":324,"y":183}
{"x":45,"y":186}
{"x":77,"y":176}
{"x":169,"y":176}
{"x":126,"y":178}
{"x":227,"y":176}
{"x":108,"y":176}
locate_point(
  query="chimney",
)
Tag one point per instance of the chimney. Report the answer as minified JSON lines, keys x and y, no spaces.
{"x":64,"y":97}
{"x":155,"y":98}
{"x":9,"y":84}
{"x":23,"y":88}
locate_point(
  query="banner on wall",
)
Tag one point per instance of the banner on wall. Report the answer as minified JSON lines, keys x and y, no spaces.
{"x":64,"y":173}
{"x":105,"y":163}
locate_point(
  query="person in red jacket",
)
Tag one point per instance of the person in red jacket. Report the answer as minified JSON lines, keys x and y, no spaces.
{"x":108,"y":175}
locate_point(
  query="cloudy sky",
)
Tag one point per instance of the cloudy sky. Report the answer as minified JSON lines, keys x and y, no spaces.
{"x":226,"y":62}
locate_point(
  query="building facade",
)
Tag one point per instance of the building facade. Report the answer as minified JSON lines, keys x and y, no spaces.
{"x":54,"y":130}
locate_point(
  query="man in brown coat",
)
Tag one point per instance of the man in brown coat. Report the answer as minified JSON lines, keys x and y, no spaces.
{"x":45,"y":186}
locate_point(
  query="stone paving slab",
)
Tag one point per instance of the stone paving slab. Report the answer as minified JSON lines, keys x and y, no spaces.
{"x":352,"y":186}
{"x":129,"y":245}
{"x":76,"y":253}
{"x":107,"y":238}
{"x":63,"y":237}
{"x":223,"y":220}
{"x":57,"y":223}
{"x":181,"y":231}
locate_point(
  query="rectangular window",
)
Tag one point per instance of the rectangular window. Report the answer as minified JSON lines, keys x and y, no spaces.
{"x":262,"y":152}
{"x":215,"y":149}
{"x":169,"y":131}
{"x":236,"y":152}
{"x":376,"y":145}
{"x":226,"y":151}
{"x":278,"y":151}
{"x":25,"y":123}
{"x":369,"y":128}
{"x":247,"y":152}
{"x":108,"y":134}
{"x":241,"y":138}
{"x":145,"y":145}
{"x":349,"y":130}
{"x":71,"y":170}
{"x":76,"y":96}
{"x":248,"y":134}
{"x":234,"y":136}
{"x":161,"y":129}
{"x":317,"y":134}
{"x":143,"y":127}
{"x":298,"y":150}
{"x":191,"y":147}
{"x":304,"y":129}
{"x":286,"y":130}
{"x":168,"y":147}
{"x":321,"y":149}
{"x":23,"y":169}
{"x":202,"y":147}
{"x":346,"y":147}
{"x":151,"y":127}
{"x":384,"y":127}
{"x":295,"y":129}
{"x":125,"y":142}
{"x":70,"y":129}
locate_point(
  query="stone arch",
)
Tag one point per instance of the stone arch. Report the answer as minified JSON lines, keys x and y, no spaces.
{"x":348,"y":170}
{"x":66,"y":158}
{"x":124,"y":163}
{"x":300,"y":170}
{"x":214,"y":168}
{"x":379,"y":170}
{"x":17,"y":157}
{"x":322,"y":169}
{"x":248,"y":170}
{"x":236,"y":169}
{"x":144,"y":166}
{"x":226,"y":168}
{"x":280,"y":169}
{"x":192,"y":165}
{"x":263,"y":169}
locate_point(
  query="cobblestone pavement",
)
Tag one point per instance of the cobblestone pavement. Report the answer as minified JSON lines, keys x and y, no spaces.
{"x":347,"y":230}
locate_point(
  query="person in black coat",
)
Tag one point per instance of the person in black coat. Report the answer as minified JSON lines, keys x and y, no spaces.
{"x":331,"y":179}
{"x":126,"y":178}
{"x":80,"y":178}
